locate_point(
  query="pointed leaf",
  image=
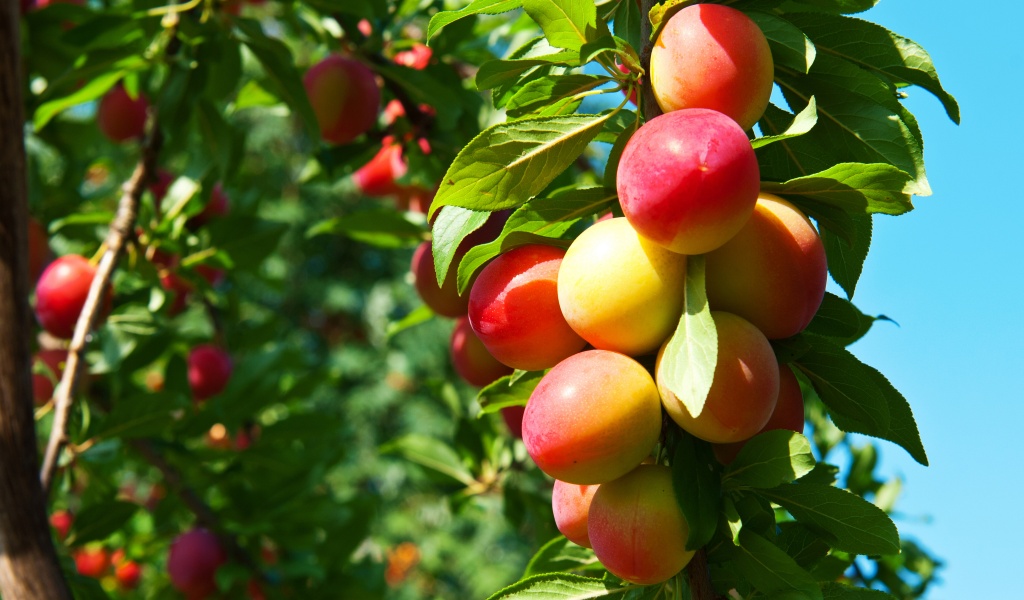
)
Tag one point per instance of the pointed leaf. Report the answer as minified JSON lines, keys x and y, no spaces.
{"x":772,"y":571}
{"x":687,"y":366}
{"x":846,"y":256}
{"x":790,"y":46}
{"x":770,"y":459}
{"x":566,"y":23}
{"x":477,"y":7}
{"x":450,"y":228}
{"x":697,"y":488}
{"x":852,"y":523}
{"x":852,"y":187}
{"x":560,"y":555}
{"x":504,"y":392}
{"x":431,"y":453}
{"x":553,"y":95}
{"x":564,"y":586}
{"x":802,"y":123}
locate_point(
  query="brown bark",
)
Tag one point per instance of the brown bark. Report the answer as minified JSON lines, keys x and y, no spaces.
{"x":29,"y":569}
{"x":649,"y":108}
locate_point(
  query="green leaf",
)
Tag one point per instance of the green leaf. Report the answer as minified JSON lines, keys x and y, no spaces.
{"x":92,"y":90}
{"x":423,"y":88}
{"x":852,"y":187}
{"x":552,"y":95}
{"x":877,"y":50}
{"x":509,"y":163}
{"x":770,"y":459}
{"x":846,"y":256}
{"x":609,"y":44}
{"x":380,"y":227}
{"x":846,"y":387}
{"x":802,"y":122}
{"x":539,"y":219}
{"x":790,"y":46}
{"x":836,"y":318}
{"x":832,"y":590}
{"x":496,"y":72}
{"x":277,"y":62}
{"x":420,"y":314}
{"x":98,"y":521}
{"x":567,"y":24}
{"x":431,"y":453}
{"x":771,"y":570}
{"x":504,"y":392}
{"x":697,"y":488}
{"x":450,"y":228}
{"x":852,"y":523}
{"x":563,"y":586}
{"x":799,"y":542}
{"x":247,"y":240}
{"x":626,"y":23}
{"x":859,"y":120}
{"x":252,"y":94}
{"x":144,"y":415}
{"x":558,"y":555}
{"x":902,"y":426}
{"x":687,"y":366}
{"x":477,"y":7}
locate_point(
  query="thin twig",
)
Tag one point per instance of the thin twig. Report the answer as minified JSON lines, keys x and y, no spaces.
{"x":121,"y":230}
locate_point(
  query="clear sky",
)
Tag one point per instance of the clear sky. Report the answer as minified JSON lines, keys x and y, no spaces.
{"x":951,"y":274}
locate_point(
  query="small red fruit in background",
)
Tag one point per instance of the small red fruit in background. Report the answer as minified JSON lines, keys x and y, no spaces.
{"x":127,"y":572}
{"x":61,"y":521}
{"x":161,"y":183}
{"x":121,"y":118}
{"x":345,"y":98}
{"x":61,"y":292}
{"x":209,"y":369}
{"x":218,"y":206}
{"x":92,"y":563}
{"x":192,"y":563}
{"x":378,"y":177}
{"x":43,"y":383}
{"x":417,"y":57}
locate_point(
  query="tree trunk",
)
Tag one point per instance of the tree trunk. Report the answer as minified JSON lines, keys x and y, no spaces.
{"x":28,"y":562}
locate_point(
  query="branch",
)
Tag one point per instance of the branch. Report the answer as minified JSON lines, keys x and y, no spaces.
{"x":700,"y":577}
{"x":121,"y":229}
{"x":204,"y":514}
{"x":650,"y":108}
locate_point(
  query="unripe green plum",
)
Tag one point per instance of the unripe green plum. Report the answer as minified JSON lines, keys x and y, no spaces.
{"x":773,"y":272}
{"x":513,"y":308}
{"x":345,"y":98}
{"x":620,"y":291}
{"x":688,"y":180}
{"x":713,"y":56}
{"x":636,"y":527}
{"x":120,"y":117}
{"x":570,"y":505}
{"x":743,"y":392}
{"x":471,"y":359}
{"x":592,"y":418}
{"x":788,"y":414}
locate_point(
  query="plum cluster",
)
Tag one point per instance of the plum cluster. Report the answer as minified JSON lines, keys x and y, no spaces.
{"x":689,"y":184}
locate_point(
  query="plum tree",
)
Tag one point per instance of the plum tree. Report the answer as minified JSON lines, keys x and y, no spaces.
{"x":688,"y":180}
{"x":121,"y":117}
{"x":640,"y":505}
{"x":713,"y":56}
{"x":209,"y":369}
{"x":345,"y":97}
{"x":744,"y":389}
{"x":470,"y":357}
{"x":773,"y":272}
{"x":61,"y":292}
{"x":620,"y":291}
{"x":593,"y":417}
{"x":38,"y":249}
{"x":192,"y":563}
{"x":788,"y":414}
{"x":513,"y":308}
{"x":570,"y":505}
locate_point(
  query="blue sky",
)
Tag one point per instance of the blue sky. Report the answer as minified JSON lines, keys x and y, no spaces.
{"x":950,"y":273}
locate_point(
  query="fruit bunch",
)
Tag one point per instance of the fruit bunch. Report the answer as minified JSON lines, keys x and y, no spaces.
{"x":601,"y":314}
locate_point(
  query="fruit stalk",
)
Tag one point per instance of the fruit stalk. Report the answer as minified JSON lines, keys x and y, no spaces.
{"x":121,"y":229}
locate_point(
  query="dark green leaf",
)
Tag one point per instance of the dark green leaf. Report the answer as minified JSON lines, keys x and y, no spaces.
{"x":503,"y":392}
{"x":697,"y":487}
{"x":144,"y":415}
{"x":852,"y":523}
{"x":626,"y":24}
{"x":902,"y":426}
{"x":852,"y":187}
{"x":452,"y":226}
{"x":877,"y":50}
{"x":687,"y":366}
{"x":836,"y":318}
{"x":770,"y":459}
{"x":846,"y":254}
{"x":431,"y":453}
{"x":790,"y":46}
{"x":801,"y":543}
{"x":771,"y":570}
{"x":97,"y":521}
{"x":832,"y":590}
{"x":846,"y":386}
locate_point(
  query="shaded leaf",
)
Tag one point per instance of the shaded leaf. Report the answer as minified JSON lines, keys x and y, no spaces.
{"x":697,"y":488}
{"x":559,"y":555}
{"x":770,"y":459}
